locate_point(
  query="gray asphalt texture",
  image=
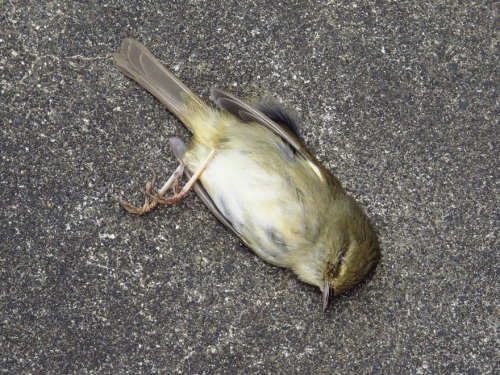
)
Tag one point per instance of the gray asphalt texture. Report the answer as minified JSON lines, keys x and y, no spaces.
{"x":399,"y":99}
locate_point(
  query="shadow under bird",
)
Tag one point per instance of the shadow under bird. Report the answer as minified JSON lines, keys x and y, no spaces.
{"x":249,"y":167}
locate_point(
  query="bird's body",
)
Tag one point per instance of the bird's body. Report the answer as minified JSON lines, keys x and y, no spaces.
{"x":263,"y":184}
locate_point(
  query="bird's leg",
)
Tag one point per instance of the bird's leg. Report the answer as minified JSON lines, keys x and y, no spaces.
{"x":177,"y":177}
{"x":173,"y":180}
{"x":178,"y":195}
{"x":150,"y":204}
{"x":153,"y":197}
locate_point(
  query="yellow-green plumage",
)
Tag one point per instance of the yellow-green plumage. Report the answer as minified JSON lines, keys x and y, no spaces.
{"x":263,"y":184}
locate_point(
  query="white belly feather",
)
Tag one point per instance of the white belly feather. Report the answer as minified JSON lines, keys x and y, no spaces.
{"x":261,"y":205}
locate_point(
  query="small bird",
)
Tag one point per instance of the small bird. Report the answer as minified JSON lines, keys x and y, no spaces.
{"x":249,"y":166}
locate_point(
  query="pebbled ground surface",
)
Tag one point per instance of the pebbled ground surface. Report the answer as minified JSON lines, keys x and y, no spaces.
{"x":399,"y":99}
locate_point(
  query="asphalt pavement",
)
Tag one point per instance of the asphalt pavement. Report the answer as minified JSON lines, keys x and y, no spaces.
{"x":399,"y":99}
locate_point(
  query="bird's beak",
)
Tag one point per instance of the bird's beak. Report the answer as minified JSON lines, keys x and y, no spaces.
{"x":326,"y":295}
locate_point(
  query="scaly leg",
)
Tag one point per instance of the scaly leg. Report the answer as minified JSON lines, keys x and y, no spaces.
{"x":152,"y":198}
{"x":150,"y":204}
{"x":159,"y":198}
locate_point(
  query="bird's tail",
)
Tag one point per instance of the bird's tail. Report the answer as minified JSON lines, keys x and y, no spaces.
{"x":137,"y":63}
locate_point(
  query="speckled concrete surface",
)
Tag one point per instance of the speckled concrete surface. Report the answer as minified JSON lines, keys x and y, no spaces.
{"x":399,"y":99}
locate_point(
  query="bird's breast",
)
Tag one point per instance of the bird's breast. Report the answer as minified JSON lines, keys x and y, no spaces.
{"x":260,"y":201}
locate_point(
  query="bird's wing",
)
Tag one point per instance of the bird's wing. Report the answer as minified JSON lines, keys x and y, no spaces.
{"x":246,"y":113}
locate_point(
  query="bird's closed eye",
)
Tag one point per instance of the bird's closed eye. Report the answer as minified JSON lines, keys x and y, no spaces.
{"x":342,"y":254}
{"x":340,"y":259}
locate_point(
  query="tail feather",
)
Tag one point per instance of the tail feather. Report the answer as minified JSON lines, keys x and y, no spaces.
{"x":137,"y":63}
